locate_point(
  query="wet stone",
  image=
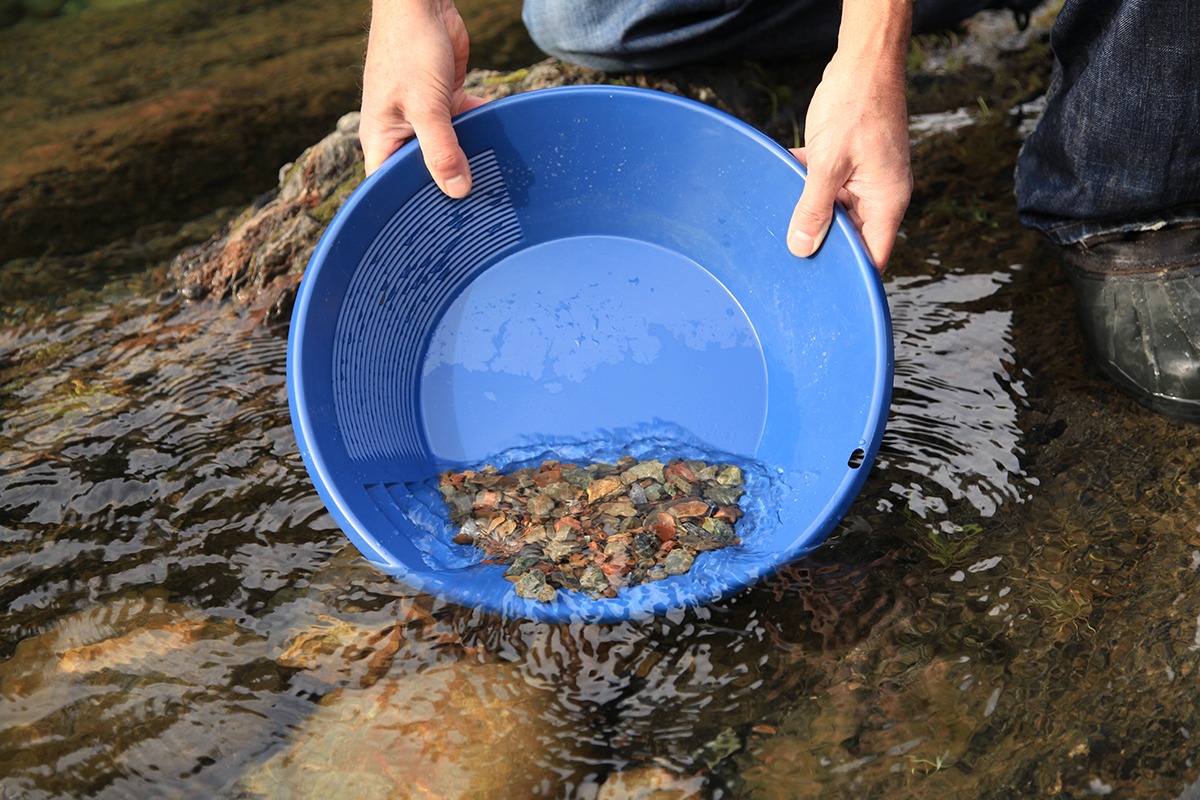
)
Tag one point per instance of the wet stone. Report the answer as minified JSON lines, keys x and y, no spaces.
{"x":723,"y":495}
{"x":579,"y":478}
{"x":562,"y":492}
{"x":593,"y":581}
{"x":540,"y":505}
{"x":557,"y":550}
{"x":730,"y":475}
{"x":654,"y":492}
{"x":533,"y":586}
{"x":678,"y":561}
{"x":644,"y":469}
{"x":597,"y":528}
{"x":520,"y":566}
{"x":460,"y":503}
{"x":603,"y":488}
{"x":468,"y":532}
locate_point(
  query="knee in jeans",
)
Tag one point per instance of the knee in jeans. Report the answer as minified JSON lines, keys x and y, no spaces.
{"x":567,"y":30}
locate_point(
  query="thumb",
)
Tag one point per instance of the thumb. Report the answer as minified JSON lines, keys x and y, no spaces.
{"x":445,"y":160}
{"x":813,"y":214}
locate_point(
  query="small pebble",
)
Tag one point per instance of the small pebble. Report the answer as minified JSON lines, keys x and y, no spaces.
{"x":678,"y":562}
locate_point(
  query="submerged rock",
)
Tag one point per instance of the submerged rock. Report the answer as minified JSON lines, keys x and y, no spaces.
{"x":128,"y":636}
{"x":651,"y":783}
{"x":119,"y":652}
{"x":458,"y":730}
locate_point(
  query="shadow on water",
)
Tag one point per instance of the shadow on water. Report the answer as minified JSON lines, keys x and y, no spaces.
{"x":1010,"y":608}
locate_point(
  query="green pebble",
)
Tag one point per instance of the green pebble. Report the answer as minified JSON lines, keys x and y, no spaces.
{"x":730,"y":475}
{"x":723,"y":495}
{"x":531,"y":584}
{"x":593,"y":581}
{"x":678,"y":562}
{"x":579,"y":478}
{"x":656,"y":574}
{"x":643,"y":469}
{"x":521,"y":565}
{"x":721,"y":531}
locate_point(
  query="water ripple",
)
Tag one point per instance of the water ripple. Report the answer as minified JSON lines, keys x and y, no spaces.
{"x":952,"y":436}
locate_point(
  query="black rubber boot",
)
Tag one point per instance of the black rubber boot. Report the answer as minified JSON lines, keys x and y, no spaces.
{"x":1138,"y":299}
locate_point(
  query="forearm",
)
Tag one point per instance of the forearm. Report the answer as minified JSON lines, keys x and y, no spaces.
{"x":391,"y":13}
{"x":875,"y":34}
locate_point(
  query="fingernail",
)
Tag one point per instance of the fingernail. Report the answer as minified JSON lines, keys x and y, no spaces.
{"x":803,"y":245}
{"x":458,"y":186}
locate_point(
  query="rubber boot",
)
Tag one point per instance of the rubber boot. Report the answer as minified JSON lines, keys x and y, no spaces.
{"x":1138,"y":300}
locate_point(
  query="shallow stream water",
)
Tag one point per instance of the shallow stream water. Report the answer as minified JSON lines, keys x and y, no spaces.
{"x":1010,"y":608}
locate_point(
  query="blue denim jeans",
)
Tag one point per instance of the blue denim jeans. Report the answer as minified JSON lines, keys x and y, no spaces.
{"x":652,"y":34}
{"x":1118,"y":148}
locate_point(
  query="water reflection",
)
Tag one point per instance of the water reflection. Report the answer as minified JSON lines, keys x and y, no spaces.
{"x":182,"y":618}
{"x":956,"y":397}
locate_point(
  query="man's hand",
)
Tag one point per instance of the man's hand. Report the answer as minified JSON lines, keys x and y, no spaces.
{"x":412,"y":86}
{"x":856,"y":135}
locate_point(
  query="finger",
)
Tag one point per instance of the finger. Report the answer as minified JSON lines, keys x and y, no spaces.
{"x":470,"y":101}
{"x":813,"y":214}
{"x":376,"y":149}
{"x":879,"y":237}
{"x":855,"y":218}
{"x":881,"y":222}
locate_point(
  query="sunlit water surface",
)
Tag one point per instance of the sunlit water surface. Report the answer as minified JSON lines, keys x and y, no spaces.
{"x":183,"y":619}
